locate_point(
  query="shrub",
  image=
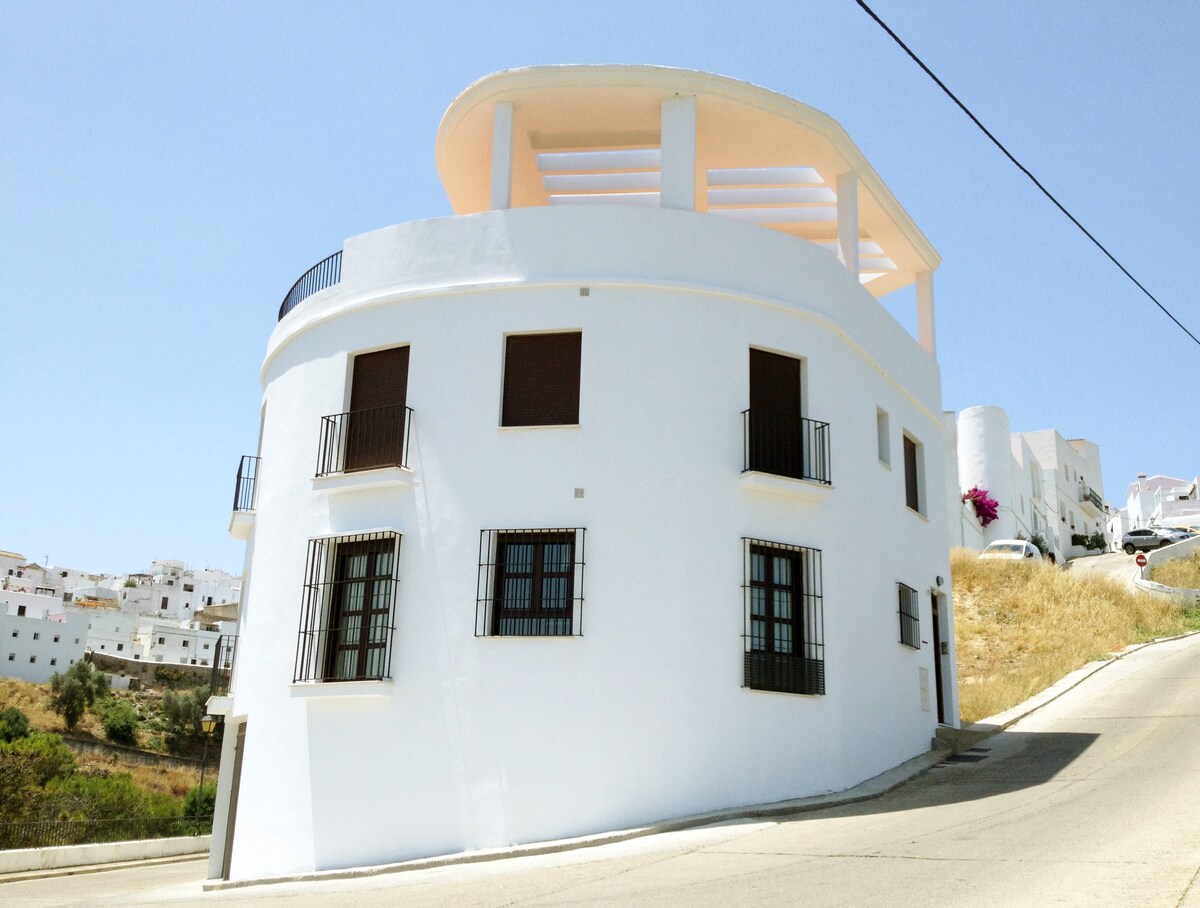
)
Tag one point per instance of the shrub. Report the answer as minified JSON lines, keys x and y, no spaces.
{"x":44,"y":755}
{"x":72,"y":692}
{"x":13,"y":724}
{"x":985,"y":506}
{"x":121,"y":722}
{"x":183,"y":712}
{"x":201,"y":803}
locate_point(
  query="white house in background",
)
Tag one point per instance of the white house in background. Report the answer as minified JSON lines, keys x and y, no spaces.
{"x":1043,"y":483}
{"x":38,"y":636}
{"x":172,"y":592}
{"x":1158,"y":501}
{"x":560,"y":526}
{"x":10,"y":562}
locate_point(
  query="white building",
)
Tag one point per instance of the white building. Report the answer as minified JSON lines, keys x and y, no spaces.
{"x":38,"y":637}
{"x":1045,"y":485}
{"x":560,"y":522}
{"x":170,"y":591}
{"x":1158,"y":501}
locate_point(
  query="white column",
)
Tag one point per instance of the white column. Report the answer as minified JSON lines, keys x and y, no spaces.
{"x":847,"y":220}
{"x":502,"y":148}
{"x":678,"y":163}
{"x":926,"y":334}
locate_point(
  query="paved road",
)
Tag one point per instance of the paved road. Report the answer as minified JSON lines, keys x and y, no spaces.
{"x":1117,"y":565}
{"x":1092,"y":801}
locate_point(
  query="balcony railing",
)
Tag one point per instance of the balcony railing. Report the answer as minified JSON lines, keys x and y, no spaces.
{"x":786,"y":446}
{"x":245,"y":490}
{"x":364,"y":440}
{"x":324,"y":273}
{"x":1087,"y":495}
{"x":221,"y":681}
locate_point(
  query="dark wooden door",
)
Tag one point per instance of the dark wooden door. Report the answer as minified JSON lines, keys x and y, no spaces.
{"x":776,"y":440}
{"x":378,"y":402}
{"x":234,"y":790}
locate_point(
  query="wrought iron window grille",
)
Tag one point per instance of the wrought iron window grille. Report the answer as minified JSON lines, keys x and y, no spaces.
{"x":910,"y":616}
{"x":347,"y":619}
{"x":530,"y":583}
{"x":784,"y":636}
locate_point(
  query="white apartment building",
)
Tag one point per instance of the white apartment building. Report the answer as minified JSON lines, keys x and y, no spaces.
{"x":644,"y":358}
{"x":170,"y":591}
{"x":1157,"y":501}
{"x":1044,"y":484}
{"x":38,"y":637}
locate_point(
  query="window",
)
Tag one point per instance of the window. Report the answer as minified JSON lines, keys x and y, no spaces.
{"x":777,"y":439}
{"x":530,"y":583}
{"x":12,"y":656}
{"x":185,"y":644}
{"x":910,"y":617}
{"x":883,"y":436}
{"x":54,"y":661}
{"x":36,"y":635}
{"x":120,"y":646}
{"x":206,"y":646}
{"x":20,"y":611}
{"x":784,"y":623}
{"x":32,"y":659}
{"x":56,"y":638}
{"x":914,"y":474}
{"x":188,"y":588}
{"x":15,"y":633}
{"x":346,"y":623}
{"x":541,"y":379}
{"x":162,"y":640}
{"x":164,"y":602}
{"x":373,"y":433}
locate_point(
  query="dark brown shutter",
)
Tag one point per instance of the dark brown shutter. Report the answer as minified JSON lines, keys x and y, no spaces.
{"x":378,"y":395}
{"x":541,"y":379}
{"x":776,"y":442}
{"x":910,"y":474}
{"x":380,"y":379}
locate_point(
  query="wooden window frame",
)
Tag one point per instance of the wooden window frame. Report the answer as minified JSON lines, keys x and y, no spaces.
{"x":801,"y":668}
{"x":495,"y":617}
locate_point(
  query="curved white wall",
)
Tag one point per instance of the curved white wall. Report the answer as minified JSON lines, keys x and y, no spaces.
{"x":985,"y":459}
{"x":482,"y":741}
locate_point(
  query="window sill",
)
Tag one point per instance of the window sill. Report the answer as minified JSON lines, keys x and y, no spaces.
{"x":325,"y":690}
{"x":918,"y":514}
{"x":240,"y":524}
{"x":885,"y":465}
{"x":220,"y":706}
{"x":785,"y":485}
{"x":382,"y":477}
{"x":564,"y":425}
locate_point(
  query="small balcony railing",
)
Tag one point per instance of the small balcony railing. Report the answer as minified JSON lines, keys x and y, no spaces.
{"x":245,"y":490}
{"x":324,"y":273}
{"x":1087,"y":495}
{"x":786,"y":446}
{"x":221,"y":681}
{"x":364,"y":440}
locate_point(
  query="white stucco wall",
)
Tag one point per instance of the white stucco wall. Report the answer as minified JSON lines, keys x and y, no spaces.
{"x":45,"y":640}
{"x":481,"y":741}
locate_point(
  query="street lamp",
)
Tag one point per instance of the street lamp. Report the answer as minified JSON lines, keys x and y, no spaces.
{"x":207,"y":725}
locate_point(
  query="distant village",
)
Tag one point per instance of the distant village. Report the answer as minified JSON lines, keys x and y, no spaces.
{"x":133,"y":626}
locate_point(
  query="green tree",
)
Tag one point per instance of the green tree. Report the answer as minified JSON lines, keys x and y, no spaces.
{"x":183,"y":712}
{"x":45,"y":755}
{"x":121,"y":722}
{"x":72,"y":692}
{"x":13,"y":724}
{"x":201,"y":803}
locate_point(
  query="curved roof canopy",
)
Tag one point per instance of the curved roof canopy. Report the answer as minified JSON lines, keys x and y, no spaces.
{"x":593,"y":135}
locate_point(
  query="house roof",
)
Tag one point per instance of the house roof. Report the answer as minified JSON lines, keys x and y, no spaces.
{"x":1157,"y":482}
{"x":592,"y":134}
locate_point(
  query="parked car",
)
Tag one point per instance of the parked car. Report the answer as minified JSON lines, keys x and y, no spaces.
{"x":1151,"y":538}
{"x":1012,"y":549}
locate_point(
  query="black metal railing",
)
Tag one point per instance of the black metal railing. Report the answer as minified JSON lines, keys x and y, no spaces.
{"x":221,"y":681}
{"x":364,"y":440}
{"x":784,"y":618}
{"x":245,"y":489}
{"x":786,"y":445}
{"x":1088,"y":495}
{"x":530,"y":583}
{"x":324,"y":273}
{"x":51,"y":833}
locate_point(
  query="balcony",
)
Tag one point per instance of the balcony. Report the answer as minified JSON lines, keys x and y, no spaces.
{"x":323,"y":274}
{"x":1088,"y":496}
{"x":245,"y":497}
{"x":220,"y":680}
{"x":792,"y":447}
{"x":372,"y":442}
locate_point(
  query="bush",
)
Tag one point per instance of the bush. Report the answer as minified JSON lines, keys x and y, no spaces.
{"x":44,"y":755}
{"x":104,"y":797}
{"x":183,"y":712}
{"x":72,"y":692}
{"x":201,"y":803}
{"x":13,"y":724}
{"x":121,"y":722}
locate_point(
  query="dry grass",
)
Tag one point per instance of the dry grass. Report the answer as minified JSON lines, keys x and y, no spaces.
{"x":1182,"y":573}
{"x":1020,"y":627}
{"x":33,"y":701}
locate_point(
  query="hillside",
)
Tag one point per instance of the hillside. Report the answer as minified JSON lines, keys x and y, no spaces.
{"x":1020,"y":627}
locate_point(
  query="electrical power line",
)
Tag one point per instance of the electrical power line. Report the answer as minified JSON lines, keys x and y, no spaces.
{"x":1046,"y":192}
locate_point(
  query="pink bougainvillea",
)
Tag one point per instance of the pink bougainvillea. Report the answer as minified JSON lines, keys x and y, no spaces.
{"x":985,"y":507}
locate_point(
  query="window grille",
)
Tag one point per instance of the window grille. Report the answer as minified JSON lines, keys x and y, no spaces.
{"x":347,"y":621}
{"x":784,"y":621}
{"x":910,"y":617}
{"x":530,"y":583}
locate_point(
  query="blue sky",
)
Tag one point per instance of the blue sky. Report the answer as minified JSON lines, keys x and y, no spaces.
{"x":168,"y":170}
